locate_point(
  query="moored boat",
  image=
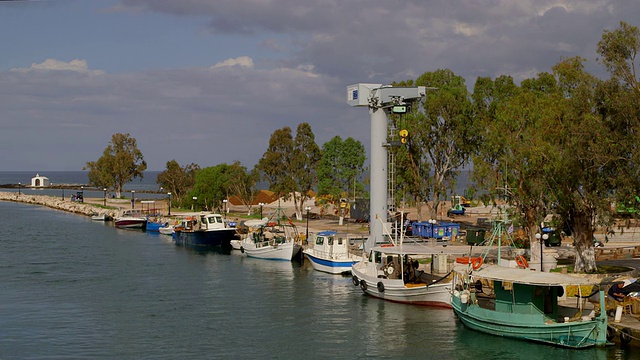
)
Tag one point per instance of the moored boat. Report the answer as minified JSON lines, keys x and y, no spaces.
{"x":331,"y":253}
{"x":131,"y":219}
{"x":523,"y":304}
{"x":155,"y":223}
{"x":271,"y":240}
{"x":398,"y":273}
{"x":203,"y":229}
{"x":99,"y":216}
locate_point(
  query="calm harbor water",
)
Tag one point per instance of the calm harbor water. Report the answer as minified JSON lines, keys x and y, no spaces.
{"x":71,"y":288}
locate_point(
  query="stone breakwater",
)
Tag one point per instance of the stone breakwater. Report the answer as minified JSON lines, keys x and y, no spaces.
{"x":57,"y":203}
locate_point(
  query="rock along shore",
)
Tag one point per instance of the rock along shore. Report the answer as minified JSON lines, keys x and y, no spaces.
{"x":57,"y":203}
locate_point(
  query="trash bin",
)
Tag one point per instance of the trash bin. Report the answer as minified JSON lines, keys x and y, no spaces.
{"x":475,"y":236}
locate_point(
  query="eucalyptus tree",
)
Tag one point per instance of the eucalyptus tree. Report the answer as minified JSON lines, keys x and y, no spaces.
{"x":442,"y":136}
{"x":275,"y":165}
{"x":588,"y":164}
{"x":619,"y":54}
{"x":341,"y":165}
{"x":289,"y":165}
{"x":305,"y":160}
{"x":177,"y":180}
{"x":517,"y":151}
{"x":120,"y":163}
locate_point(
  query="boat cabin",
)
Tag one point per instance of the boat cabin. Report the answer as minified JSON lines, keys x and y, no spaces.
{"x":203,"y":222}
{"x":331,"y":245}
{"x":527,"y":299}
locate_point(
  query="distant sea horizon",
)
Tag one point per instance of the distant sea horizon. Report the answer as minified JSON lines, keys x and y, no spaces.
{"x":147,"y":183}
{"x":80,"y":178}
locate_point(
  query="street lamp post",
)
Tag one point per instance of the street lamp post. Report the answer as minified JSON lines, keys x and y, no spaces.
{"x":62,"y":194}
{"x":261,"y":205}
{"x":82,"y":193}
{"x":105,"y":196}
{"x":133,"y":199}
{"x":195,"y":199}
{"x":225,"y":201}
{"x":19,"y":186}
{"x":169,"y":193}
{"x":542,"y":239}
{"x":306,"y":238}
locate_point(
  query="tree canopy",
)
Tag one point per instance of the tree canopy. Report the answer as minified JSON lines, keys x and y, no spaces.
{"x":120,"y":163}
{"x":341,"y":165}
{"x":178,"y":180}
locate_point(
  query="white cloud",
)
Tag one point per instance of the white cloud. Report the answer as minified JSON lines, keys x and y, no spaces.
{"x":242,"y":61}
{"x":76,"y":65}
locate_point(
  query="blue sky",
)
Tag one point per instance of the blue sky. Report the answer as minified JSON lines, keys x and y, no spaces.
{"x":208,"y":81}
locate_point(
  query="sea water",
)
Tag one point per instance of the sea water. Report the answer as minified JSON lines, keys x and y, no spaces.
{"x":72,"y":288}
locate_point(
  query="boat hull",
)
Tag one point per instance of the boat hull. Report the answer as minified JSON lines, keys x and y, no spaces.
{"x":331,"y":266}
{"x":281,"y":252}
{"x":435,"y":295}
{"x":153,"y":226}
{"x":131,"y":224}
{"x":529,"y":327}
{"x":220,"y":237}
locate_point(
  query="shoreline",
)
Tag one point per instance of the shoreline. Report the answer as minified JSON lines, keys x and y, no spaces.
{"x":56,"y":203}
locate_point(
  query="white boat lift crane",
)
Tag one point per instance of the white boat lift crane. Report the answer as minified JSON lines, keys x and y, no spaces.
{"x":380,"y":99}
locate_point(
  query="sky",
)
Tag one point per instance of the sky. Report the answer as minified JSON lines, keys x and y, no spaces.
{"x":209,"y":81}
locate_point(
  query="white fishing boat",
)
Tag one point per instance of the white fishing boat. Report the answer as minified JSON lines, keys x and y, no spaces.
{"x":330,"y":252}
{"x":271,"y":240}
{"x":400,"y":273}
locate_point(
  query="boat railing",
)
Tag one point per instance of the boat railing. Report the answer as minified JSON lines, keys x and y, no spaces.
{"x":331,"y":255}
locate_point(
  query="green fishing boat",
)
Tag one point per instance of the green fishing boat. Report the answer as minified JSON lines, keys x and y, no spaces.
{"x":523,"y":304}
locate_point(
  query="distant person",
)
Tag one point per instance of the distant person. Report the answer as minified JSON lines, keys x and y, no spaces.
{"x":616,"y":291}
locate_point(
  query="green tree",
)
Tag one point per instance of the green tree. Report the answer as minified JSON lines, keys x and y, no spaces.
{"x":517,"y":157}
{"x":441,"y":135}
{"x":178,"y":180}
{"x":341,"y":165}
{"x":619,"y":50}
{"x":289,"y":165}
{"x":120,"y":163}
{"x":212,"y":186}
{"x":305,"y":159}
{"x":243,"y":184}
{"x":276,"y":165}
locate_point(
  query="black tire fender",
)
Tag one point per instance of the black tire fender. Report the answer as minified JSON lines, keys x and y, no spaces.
{"x":380,"y":287}
{"x":363,"y":285}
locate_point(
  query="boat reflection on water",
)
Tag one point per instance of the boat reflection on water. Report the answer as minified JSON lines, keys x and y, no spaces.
{"x":203,"y":250}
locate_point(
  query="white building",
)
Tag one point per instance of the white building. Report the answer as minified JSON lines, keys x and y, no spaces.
{"x":39,"y":181}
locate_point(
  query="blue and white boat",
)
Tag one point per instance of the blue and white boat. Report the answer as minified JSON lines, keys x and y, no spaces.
{"x":331,"y":253}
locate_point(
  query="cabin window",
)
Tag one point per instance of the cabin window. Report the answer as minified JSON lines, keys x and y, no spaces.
{"x":330,"y":242}
{"x":339,"y":241}
{"x":319,"y":240}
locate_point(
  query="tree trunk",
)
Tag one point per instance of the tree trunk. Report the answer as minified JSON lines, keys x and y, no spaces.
{"x":583,"y":241}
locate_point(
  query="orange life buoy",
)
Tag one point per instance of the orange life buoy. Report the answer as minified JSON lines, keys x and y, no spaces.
{"x":521,"y":262}
{"x":475,"y":262}
{"x":387,"y":245}
{"x":272,"y":223}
